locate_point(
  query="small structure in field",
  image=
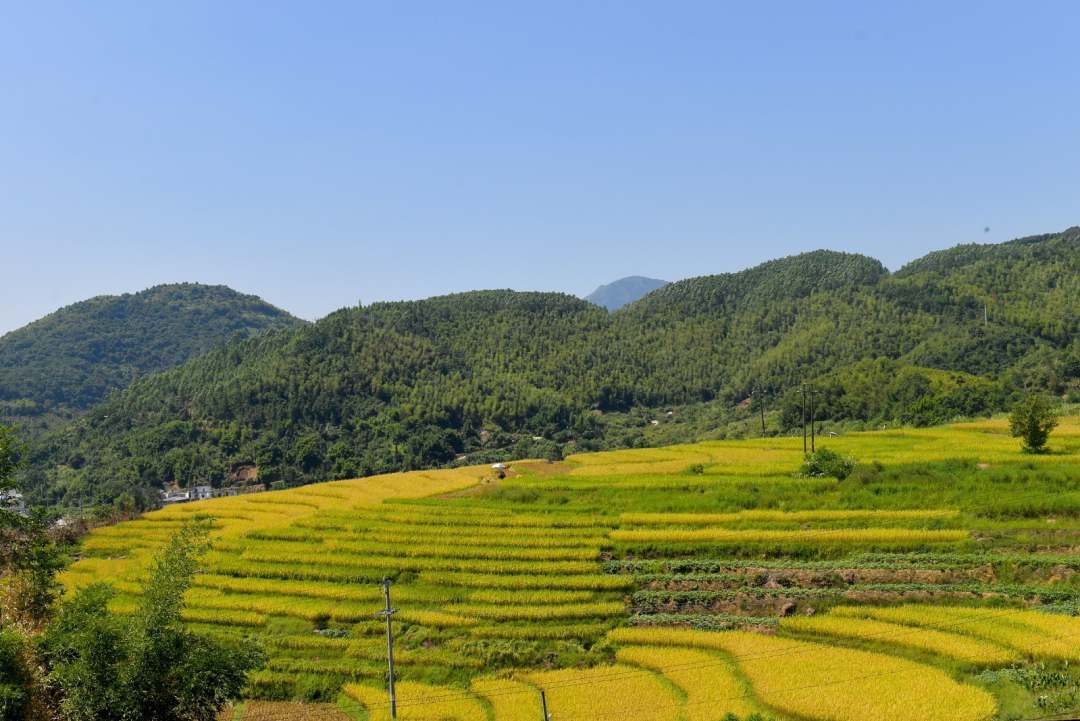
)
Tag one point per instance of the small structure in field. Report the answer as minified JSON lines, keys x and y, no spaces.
{"x":169,"y":497}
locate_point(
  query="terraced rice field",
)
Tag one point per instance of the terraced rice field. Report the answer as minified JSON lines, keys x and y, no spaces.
{"x":940,"y":581}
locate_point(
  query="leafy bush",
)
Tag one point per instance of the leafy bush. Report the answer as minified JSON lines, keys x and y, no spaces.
{"x":827,"y":462}
{"x":14,"y":676}
{"x":1032,"y":420}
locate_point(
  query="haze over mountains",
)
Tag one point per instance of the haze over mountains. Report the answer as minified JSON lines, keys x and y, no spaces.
{"x":624,"y":291}
{"x":497,"y":374}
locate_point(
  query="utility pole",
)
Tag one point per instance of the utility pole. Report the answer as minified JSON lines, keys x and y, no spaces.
{"x":802,"y":410}
{"x":761,"y":407}
{"x":388,"y":613}
{"x":813,"y":421}
{"x":543,"y":705}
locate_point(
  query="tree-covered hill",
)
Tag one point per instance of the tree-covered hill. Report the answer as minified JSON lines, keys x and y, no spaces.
{"x":490,"y":374}
{"x":71,"y":359}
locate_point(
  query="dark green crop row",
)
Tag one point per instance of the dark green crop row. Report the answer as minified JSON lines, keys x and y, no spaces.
{"x":704,"y":621}
{"x":643,"y":600}
{"x":936,"y":561}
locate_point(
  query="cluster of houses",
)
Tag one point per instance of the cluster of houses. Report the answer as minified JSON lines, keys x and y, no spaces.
{"x":202,"y":493}
{"x":12,"y":501}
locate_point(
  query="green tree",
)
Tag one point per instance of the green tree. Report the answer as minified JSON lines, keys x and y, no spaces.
{"x":16,"y":678}
{"x":147,"y":666}
{"x":827,"y":462}
{"x":29,"y":557}
{"x":1032,"y":420}
{"x":9,"y":463}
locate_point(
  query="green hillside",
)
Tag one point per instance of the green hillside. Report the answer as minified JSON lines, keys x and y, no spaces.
{"x":73,"y":358}
{"x":492,"y":374}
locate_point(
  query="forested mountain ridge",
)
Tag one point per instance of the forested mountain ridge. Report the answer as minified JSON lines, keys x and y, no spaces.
{"x":492,"y":374}
{"x":72,"y":358}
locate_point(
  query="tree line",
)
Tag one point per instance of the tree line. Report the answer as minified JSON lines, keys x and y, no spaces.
{"x":492,"y":374}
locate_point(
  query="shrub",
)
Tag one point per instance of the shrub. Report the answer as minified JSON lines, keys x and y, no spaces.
{"x":828,"y":462}
{"x":15,"y":676}
{"x":1032,"y":420}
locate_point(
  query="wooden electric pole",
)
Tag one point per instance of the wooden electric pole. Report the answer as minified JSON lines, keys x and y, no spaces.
{"x":813,"y":420}
{"x":388,"y":614}
{"x":761,"y":407}
{"x":543,"y":705}
{"x":802,"y":410}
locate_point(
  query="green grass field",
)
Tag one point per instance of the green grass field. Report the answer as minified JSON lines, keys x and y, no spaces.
{"x":941,"y":580}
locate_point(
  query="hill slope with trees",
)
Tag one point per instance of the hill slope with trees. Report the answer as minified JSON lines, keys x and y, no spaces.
{"x":494,"y":374}
{"x":70,"y":360}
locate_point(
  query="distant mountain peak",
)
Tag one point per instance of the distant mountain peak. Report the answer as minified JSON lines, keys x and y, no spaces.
{"x":626,"y":290}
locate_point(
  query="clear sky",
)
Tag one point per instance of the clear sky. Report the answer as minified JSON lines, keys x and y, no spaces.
{"x":320,"y":154}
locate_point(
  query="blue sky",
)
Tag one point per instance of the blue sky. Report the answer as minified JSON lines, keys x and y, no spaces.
{"x":320,"y":154}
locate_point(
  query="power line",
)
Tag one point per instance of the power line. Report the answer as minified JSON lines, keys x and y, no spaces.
{"x":726,"y":662}
{"x":790,"y":650}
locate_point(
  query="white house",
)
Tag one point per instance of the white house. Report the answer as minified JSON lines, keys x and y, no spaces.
{"x":168,"y":497}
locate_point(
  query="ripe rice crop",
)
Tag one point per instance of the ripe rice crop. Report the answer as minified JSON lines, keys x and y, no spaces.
{"x":371,"y":592}
{"x":294,"y":571}
{"x":389,"y":565}
{"x":898,"y":537}
{"x":509,"y":612}
{"x":324,"y":523}
{"x":418,"y":702}
{"x":533,"y":598}
{"x":317,"y":643}
{"x":312,"y":666}
{"x":509,"y":700}
{"x":606,"y":692}
{"x":408,"y":518}
{"x":412,"y":550}
{"x":436,"y":619}
{"x":591,"y":582}
{"x":535,"y":631}
{"x":811,"y":680}
{"x":951,"y":645}
{"x":516,"y":539}
{"x":710,"y":684}
{"x":389,"y":534}
{"x":1029,"y":632}
{"x":708,"y":519}
{"x":278,"y":605}
{"x":117,"y":547}
{"x":484,"y":572}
